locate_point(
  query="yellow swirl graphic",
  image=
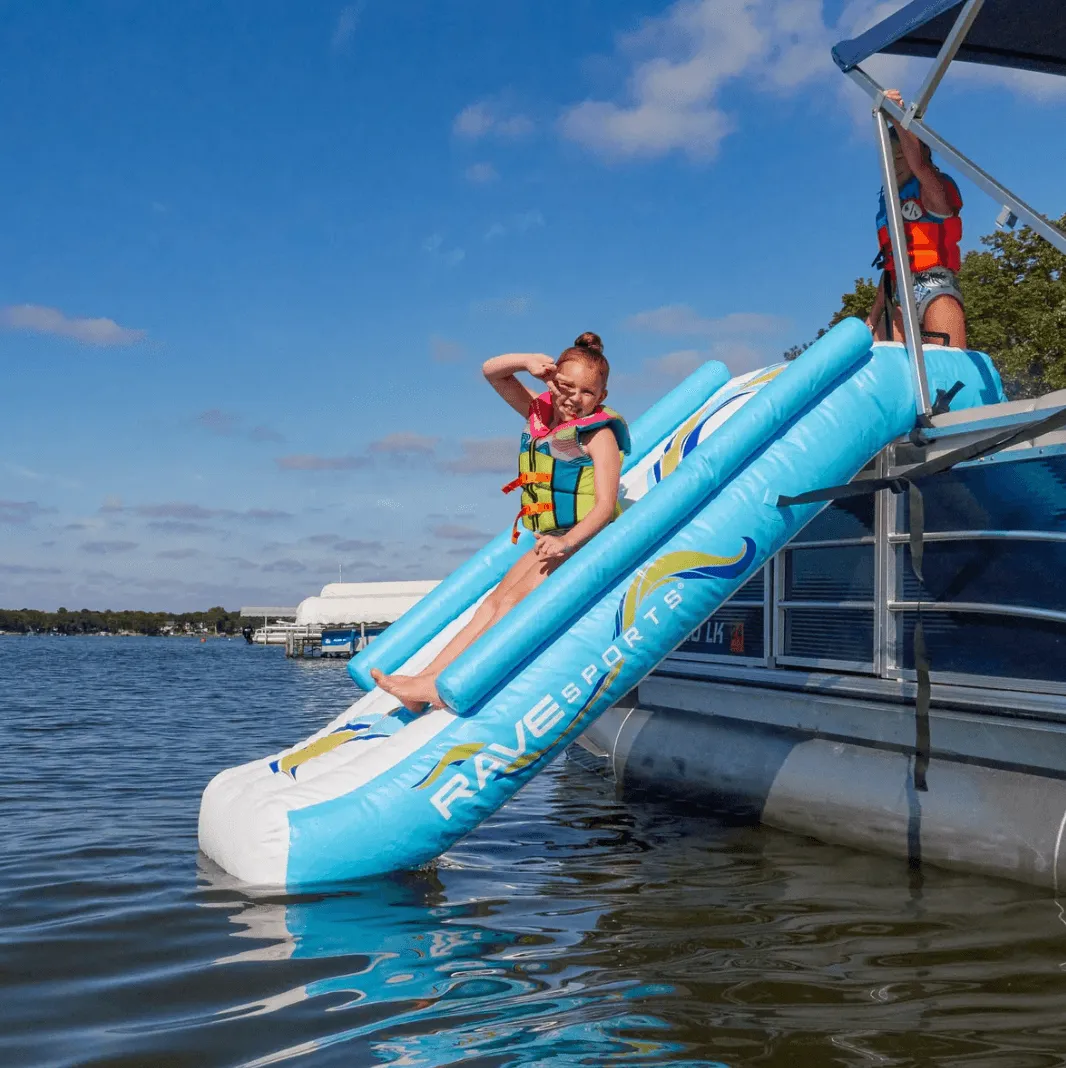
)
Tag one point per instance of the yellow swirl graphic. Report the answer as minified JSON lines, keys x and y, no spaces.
{"x":661,"y":571}
{"x":456,"y":755}
{"x":292,"y":761}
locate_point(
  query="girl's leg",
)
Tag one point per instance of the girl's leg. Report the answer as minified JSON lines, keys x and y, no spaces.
{"x":416,"y":691}
{"x":488,"y":612}
{"x":945,"y":316}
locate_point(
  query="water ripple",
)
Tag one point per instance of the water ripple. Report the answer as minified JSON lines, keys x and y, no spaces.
{"x":570,"y":929}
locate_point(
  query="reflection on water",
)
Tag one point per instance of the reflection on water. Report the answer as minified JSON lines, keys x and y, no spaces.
{"x":570,"y":929}
{"x":417,"y":979}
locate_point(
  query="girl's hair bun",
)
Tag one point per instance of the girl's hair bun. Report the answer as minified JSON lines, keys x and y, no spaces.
{"x":590,"y":342}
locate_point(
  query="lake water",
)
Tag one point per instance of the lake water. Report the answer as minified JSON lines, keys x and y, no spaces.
{"x":571,"y":929}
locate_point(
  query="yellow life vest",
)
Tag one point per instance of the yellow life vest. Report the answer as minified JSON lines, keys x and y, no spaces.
{"x":555,"y":470}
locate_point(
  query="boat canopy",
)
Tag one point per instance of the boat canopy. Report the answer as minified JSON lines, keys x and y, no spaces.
{"x":346,"y":603}
{"x":1024,"y":34}
{"x":1027,"y":35}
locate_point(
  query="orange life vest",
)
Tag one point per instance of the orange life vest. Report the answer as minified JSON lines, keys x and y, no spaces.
{"x":555,"y":471}
{"x":932,"y":240}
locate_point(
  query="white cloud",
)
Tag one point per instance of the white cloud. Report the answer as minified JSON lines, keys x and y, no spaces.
{"x":434,"y":246}
{"x":674,"y":366}
{"x":679,"y":320}
{"x":481,"y":173}
{"x":680,"y":60}
{"x":521,"y":223}
{"x":404,"y":442}
{"x":177,"y":554}
{"x":483,"y":455}
{"x":104,"y":548}
{"x":740,"y":357}
{"x":488,"y":117}
{"x":679,"y":63}
{"x":21,"y":512}
{"x":38,"y":319}
{"x":310,"y":462}
{"x":1027,"y":83}
{"x":218,"y":422}
{"x":460,"y":531}
{"x":344,"y":30}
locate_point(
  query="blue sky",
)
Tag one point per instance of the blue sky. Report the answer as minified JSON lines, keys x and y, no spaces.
{"x":253,"y":256}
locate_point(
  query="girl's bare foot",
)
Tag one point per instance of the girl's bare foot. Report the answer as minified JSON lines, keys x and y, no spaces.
{"x":415,"y":693}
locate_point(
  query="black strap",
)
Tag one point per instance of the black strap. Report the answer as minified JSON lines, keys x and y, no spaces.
{"x":917,"y":530}
{"x":916,"y":537}
{"x":996,"y":442}
{"x":921,"y":705}
{"x":889,"y":311}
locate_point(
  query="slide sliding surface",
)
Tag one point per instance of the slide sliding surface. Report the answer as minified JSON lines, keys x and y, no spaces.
{"x":700,"y":517}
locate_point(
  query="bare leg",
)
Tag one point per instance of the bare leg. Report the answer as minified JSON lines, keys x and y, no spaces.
{"x":878,"y":327}
{"x":945,"y":315}
{"x":416,"y":691}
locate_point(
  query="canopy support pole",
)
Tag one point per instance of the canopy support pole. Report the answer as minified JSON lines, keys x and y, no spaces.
{"x":912,"y":327}
{"x":984,"y":181}
{"x":947,"y":52}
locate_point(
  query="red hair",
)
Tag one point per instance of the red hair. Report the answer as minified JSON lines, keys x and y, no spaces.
{"x":587,"y":347}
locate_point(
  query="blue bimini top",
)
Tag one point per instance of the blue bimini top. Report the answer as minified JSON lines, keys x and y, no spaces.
{"x":1023,"y":34}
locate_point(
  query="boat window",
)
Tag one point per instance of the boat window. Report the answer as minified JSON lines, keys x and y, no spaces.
{"x":831,"y":573}
{"x":987,"y":647}
{"x":826,"y":589}
{"x":734,"y":631}
{"x":1016,"y":572}
{"x":992,"y":604}
{"x":839,"y":635}
{"x":852,"y":518}
{"x":737,"y":631}
{"x":1004,"y":495}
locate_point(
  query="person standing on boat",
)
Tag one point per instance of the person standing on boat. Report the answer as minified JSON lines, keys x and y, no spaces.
{"x":569,"y":465}
{"x":930,"y":202}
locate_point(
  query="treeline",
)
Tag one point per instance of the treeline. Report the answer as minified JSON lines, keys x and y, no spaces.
{"x":85,"y":621}
{"x":1015,"y":295}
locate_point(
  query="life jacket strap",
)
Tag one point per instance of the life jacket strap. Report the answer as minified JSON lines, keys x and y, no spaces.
{"x":529,"y":509}
{"x":525,"y":478}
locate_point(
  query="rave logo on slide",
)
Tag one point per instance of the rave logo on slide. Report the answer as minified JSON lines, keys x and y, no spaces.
{"x":659,"y":581}
{"x":668,"y":569}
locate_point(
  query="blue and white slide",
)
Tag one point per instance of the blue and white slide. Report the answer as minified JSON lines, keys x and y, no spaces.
{"x":379,"y":790}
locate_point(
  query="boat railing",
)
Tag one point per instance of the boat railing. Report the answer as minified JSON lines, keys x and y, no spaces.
{"x":843,"y":598}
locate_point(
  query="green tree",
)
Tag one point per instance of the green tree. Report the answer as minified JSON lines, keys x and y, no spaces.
{"x":1015,"y":295}
{"x":858,"y":302}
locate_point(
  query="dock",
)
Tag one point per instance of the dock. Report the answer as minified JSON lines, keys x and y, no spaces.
{"x":303,"y":641}
{"x":339,"y":621}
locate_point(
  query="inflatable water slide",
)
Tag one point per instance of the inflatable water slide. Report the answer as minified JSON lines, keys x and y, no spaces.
{"x":380,"y":790}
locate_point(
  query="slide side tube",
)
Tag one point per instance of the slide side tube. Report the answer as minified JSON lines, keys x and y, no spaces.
{"x":469,"y":768}
{"x":483,"y":570}
{"x":529,"y":626}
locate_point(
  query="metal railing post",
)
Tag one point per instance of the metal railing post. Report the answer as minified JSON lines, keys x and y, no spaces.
{"x":912,"y":327}
{"x":951,"y":45}
{"x":982,"y":179}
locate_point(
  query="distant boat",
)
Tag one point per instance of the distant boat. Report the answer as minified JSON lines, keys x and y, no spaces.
{"x":347,"y":641}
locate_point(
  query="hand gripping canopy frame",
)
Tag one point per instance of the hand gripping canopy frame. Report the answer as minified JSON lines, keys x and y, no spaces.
{"x":1020,"y":34}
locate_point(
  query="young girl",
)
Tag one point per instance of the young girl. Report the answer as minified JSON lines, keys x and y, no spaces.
{"x":569,"y":463}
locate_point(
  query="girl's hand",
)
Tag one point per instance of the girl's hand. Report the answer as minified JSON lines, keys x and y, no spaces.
{"x":540,"y":366}
{"x":551,"y":547}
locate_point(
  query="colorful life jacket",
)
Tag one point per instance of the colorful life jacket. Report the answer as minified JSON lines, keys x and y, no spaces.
{"x":932,"y":240}
{"x":555,"y":470}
